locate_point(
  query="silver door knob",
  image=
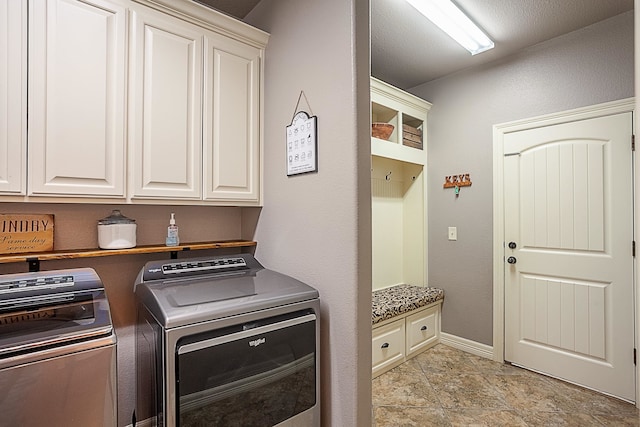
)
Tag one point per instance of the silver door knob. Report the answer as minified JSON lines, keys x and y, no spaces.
{"x":512,"y":260}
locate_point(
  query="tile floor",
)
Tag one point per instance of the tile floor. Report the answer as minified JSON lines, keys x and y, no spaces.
{"x":448,"y":387}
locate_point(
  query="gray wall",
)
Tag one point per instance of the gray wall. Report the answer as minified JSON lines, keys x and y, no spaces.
{"x":586,"y":67}
{"x":317,"y":227}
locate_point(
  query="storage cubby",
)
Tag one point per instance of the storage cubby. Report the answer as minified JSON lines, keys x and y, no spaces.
{"x":382,"y":114}
{"x":398,"y":108}
{"x":399,"y":222}
{"x":412,"y":132}
{"x":398,"y":189}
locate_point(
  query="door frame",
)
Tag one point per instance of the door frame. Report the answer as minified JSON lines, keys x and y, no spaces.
{"x":499,"y":130}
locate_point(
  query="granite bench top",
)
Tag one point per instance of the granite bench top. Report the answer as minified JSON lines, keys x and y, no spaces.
{"x":390,"y":302}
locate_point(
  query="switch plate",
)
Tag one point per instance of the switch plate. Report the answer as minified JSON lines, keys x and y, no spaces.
{"x":453,"y":233}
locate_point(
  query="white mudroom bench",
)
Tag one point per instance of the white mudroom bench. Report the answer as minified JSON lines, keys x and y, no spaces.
{"x":405,"y":321}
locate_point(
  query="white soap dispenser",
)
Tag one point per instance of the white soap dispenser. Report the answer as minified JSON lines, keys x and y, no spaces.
{"x":172,"y":232}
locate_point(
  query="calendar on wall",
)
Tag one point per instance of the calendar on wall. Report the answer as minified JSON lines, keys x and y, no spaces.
{"x":302,"y":144}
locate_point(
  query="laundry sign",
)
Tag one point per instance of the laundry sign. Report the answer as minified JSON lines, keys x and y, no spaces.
{"x":20,"y":233}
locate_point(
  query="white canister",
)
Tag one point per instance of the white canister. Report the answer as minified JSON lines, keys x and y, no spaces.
{"x":116,"y":231}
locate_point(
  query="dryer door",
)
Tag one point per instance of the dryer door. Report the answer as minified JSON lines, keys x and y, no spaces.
{"x":259,"y":373}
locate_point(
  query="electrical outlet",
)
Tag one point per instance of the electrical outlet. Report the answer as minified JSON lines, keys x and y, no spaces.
{"x":453,"y":233}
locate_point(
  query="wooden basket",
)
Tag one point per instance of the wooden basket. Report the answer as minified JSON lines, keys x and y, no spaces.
{"x":381,"y":130}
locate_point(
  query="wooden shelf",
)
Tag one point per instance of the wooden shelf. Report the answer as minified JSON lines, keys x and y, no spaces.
{"x":34,"y":258}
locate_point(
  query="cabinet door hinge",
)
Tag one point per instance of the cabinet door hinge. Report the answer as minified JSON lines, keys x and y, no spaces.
{"x":635,"y":354}
{"x":633,"y":143}
{"x":633,"y":248}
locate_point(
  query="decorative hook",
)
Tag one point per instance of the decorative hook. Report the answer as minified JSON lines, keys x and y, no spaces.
{"x":388,"y":177}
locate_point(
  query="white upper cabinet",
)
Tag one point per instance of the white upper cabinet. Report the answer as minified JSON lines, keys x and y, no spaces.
{"x":231,"y":120}
{"x":195,"y":112}
{"x":13,"y":96}
{"x":129,"y":101}
{"x":76,"y":101}
{"x":166,"y":108}
{"x":408,"y":116}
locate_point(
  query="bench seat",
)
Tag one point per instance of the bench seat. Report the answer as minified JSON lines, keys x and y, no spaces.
{"x":391,"y":302}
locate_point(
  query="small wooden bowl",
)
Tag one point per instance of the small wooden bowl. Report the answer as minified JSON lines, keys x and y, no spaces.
{"x":381,"y":130}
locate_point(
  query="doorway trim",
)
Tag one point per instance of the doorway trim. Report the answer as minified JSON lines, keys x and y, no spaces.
{"x":499,"y":131}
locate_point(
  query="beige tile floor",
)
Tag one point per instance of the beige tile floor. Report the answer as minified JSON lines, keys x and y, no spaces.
{"x":448,"y":387}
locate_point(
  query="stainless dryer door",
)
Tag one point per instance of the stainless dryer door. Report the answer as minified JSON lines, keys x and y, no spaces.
{"x":259,"y":373}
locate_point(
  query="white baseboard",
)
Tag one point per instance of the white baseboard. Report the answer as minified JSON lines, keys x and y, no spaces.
{"x":469,"y":346}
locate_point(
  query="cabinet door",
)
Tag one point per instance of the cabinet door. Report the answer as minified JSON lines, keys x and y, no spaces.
{"x":422,"y":330}
{"x":13,"y":96}
{"x":231,"y":121}
{"x":77,"y":53}
{"x":166,"y":109}
{"x":387,"y":346}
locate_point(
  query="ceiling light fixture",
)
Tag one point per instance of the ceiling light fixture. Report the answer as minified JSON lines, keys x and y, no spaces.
{"x":455,"y":23}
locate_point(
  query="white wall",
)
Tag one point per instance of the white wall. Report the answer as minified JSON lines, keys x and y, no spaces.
{"x":586,"y":67}
{"x":317,"y":227}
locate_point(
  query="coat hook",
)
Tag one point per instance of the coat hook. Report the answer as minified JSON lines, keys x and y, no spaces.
{"x":388,"y":177}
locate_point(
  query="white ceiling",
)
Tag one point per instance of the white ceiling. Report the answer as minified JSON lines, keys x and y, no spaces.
{"x":408,"y":50}
{"x":400,"y":35}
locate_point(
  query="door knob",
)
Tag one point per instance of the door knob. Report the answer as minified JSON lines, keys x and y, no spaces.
{"x":512,"y":260}
{"x":512,"y":245}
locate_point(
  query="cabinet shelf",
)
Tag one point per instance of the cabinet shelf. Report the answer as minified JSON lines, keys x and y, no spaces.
{"x":392,"y":150}
{"x":34,"y":258}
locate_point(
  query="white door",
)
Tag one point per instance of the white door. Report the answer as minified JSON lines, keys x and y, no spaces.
{"x":166,"y":111}
{"x":13,"y":96}
{"x":77,"y":65}
{"x":569,"y":278}
{"x":231,"y":120}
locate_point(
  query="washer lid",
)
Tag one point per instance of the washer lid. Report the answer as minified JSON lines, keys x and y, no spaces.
{"x":51,"y":308}
{"x":82,"y":316}
{"x":184,"y":301}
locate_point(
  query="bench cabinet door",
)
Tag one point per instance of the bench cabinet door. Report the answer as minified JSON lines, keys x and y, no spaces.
{"x":422,"y":330}
{"x":388,"y":348}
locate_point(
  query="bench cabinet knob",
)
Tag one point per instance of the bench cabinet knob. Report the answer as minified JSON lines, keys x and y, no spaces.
{"x":424,"y":328}
{"x":385,"y":345}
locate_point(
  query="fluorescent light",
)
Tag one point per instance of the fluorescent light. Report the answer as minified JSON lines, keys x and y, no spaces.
{"x":456,"y":24}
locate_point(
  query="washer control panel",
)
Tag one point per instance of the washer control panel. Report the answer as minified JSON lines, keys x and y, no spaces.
{"x":204,"y":265}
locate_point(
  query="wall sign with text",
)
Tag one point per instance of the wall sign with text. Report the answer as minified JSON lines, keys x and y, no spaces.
{"x":302,"y":144}
{"x":20,"y":233}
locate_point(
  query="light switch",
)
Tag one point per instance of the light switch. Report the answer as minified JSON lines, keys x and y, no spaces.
{"x":453,"y":233}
